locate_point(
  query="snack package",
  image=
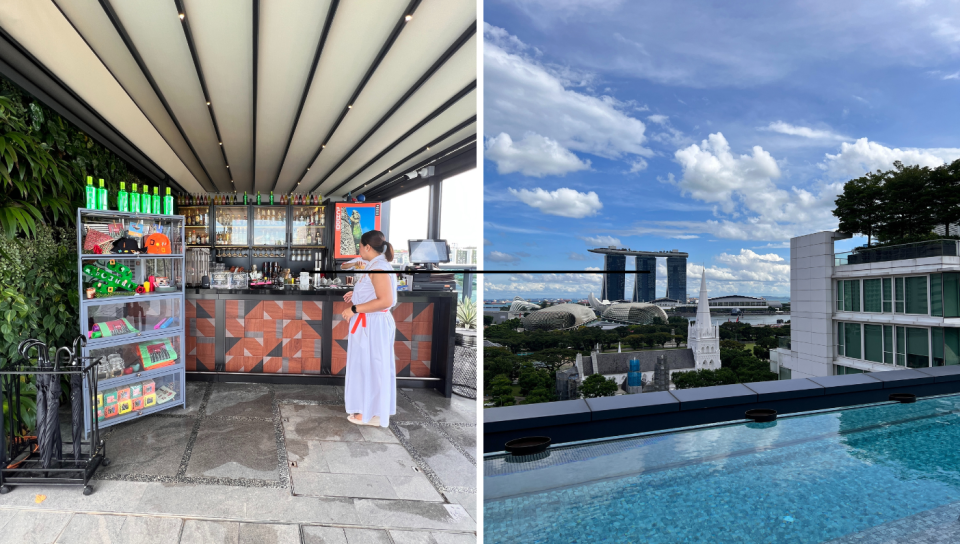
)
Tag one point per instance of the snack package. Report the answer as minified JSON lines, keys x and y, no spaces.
{"x":149,"y":387}
{"x":123,"y":393}
{"x":100,"y":416}
{"x":165,"y":394}
{"x":138,"y":403}
{"x":110,"y":410}
{"x":136,"y":390}
{"x":115,"y":327}
{"x":156,"y":354}
{"x":99,"y":400}
{"x":125,"y":406}
{"x":110,"y":397}
{"x":149,"y":400}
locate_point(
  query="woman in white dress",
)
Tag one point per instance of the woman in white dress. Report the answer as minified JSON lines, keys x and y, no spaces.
{"x":370,"y":388}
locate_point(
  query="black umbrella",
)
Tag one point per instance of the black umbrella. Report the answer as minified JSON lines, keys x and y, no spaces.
{"x":44,"y":437}
{"x":76,"y":396}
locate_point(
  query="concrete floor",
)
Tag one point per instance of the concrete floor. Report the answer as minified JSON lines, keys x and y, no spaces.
{"x":270,"y":463}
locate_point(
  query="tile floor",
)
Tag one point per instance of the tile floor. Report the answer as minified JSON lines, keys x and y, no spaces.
{"x":270,"y":463}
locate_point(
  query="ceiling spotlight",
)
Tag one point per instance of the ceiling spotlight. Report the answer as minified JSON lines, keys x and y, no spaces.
{"x":324,"y":146}
{"x":349,"y":106}
{"x":228,"y":166}
{"x":208,"y":103}
{"x":428,"y":148}
{"x":408,"y":18}
{"x":411,"y":175}
{"x":182,"y":16}
{"x":308,"y":169}
{"x":221,"y":143}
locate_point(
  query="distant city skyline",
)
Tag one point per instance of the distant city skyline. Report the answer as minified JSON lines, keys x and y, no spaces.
{"x":643,"y":125}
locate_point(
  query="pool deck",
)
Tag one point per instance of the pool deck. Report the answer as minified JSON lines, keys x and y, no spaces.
{"x":270,"y":463}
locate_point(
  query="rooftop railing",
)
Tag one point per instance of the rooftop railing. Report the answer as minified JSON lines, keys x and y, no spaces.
{"x":784,"y":342}
{"x":915,"y":250}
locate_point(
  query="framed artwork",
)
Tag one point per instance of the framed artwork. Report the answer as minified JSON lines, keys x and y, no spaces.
{"x":351,"y":221}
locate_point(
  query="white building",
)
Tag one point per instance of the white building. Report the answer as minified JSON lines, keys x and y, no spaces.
{"x":870,"y":310}
{"x":738,"y":302}
{"x":703,"y":337}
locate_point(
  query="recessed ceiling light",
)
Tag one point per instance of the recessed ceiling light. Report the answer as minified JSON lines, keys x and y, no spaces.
{"x":349,"y":106}
{"x":408,"y":18}
{"x":182,"y":16}
{"x":228,"y":166}
{"x":324,"y":146}
{"x":208,"y":103}
{"x":428,"y":148}
{"x":221,"y":143}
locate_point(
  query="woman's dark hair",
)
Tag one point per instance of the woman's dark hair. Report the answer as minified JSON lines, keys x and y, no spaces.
{"x":379,"y":243}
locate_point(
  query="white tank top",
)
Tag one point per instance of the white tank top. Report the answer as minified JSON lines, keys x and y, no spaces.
{"x":363,"y":291}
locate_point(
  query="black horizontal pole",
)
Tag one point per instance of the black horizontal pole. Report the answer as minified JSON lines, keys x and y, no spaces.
{"x":456,"y":271}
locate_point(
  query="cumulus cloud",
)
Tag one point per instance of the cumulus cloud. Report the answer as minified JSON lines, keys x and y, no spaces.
{"x":574,"y":286}
{"x":955,"y":75}
{"x":657,"y":118}
{"x":534,"y":156}
{"x":500,"y":257}
{"x":486,"y":242}
{"x":563,"y":202}
{"x":601,"y":241}
{"x":804,"y":132}
{"x":864,"y":156}
{"x":638,"y":165}
{"x":574,"y":256}
{"x":523,"y":95}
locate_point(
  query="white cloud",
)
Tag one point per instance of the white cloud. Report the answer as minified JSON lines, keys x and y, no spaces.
{"x":574,"y":256}
{"x":486,"y":242}
{"x":747,"y":273}
{"x":532,"y":285}
{"x":658,"y":118}
{"x":534,"y":155}
{"x":601,"y":241}
{"x":684,"y":236}
{"x":638,"y":165}
{"x":563,"y":202}
{"x":864,"y":156}
{"x":500,"y":257}
{"x":522,"y":95}
{"x":805,"y":132}
{"x":955,"y":75}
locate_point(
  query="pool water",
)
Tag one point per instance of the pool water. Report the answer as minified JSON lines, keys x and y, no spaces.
{"x":800,"y":479}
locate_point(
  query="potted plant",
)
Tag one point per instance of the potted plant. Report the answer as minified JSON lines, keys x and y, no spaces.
{"x":467,"y":314}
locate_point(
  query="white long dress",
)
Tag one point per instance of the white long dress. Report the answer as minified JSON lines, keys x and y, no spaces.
{"x":370,"y":386}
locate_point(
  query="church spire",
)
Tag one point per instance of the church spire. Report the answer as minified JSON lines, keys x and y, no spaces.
{"x":704,"y":325}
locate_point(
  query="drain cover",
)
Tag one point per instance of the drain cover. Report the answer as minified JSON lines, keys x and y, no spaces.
{"x":293,"y":464}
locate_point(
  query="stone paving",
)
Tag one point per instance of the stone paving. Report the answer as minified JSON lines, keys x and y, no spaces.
{"x":270,"y":463}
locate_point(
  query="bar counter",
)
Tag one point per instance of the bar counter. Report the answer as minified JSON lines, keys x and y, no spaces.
{"x":290,"y":335}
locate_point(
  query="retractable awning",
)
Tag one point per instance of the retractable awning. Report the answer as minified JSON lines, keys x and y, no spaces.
{"x":324,"y":96}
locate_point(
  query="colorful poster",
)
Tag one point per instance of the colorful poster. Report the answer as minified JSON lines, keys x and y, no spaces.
{"x":351,"y":221}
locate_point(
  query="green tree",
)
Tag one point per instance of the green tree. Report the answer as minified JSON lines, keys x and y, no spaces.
{"x":945,"y":184}
{"x":661,"y":339}
{"x":487,"y":320}
{"x":502,"y":391}
{"x":533,"y":378}
{"x":907,"y":214}
{"x":539,"y":395}
{"x":597,"y":386}
{"x":554,"y":358}
{"x":861,"y":206}
{"x":635,"y":341}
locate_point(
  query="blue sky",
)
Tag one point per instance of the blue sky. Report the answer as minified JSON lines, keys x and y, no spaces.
{"x":718,"y":128}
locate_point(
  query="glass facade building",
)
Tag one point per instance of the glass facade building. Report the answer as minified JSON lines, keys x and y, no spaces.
{"x":614,"y":285}
{"x":677,"y":278}
{"x":645,"y":286}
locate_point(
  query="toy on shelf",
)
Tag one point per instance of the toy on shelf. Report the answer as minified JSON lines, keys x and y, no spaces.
{"x":110,"y":277}
{"x":125,"y":406}
{"x":157,"y":354}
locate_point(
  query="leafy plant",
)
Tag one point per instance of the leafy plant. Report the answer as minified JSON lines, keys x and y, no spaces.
{"x":596,"y":385}
{"x":467,"y":314}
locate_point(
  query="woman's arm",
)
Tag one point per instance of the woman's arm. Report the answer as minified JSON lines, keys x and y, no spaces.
{"x":384,"y":300}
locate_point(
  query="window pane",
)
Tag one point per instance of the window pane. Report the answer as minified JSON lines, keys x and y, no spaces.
{"x":898,"y":288}
{"x":916,"y":298}
{"x":951,"y":294}
{"x":951,"y":346}
{"x":851,"y":333}
{"x":851,"y":370}
{"x":851,"y":295}
{"x":936,"y":343}
{"x":408,"y":221}
{"x":901,"y":346}
{"x":873,"y":342}
{"x":887,"y":295}
{"x":888,"y":344}
{"x":838,"y":370}
{"x":460,"y":215}
{"x":871,"y":296}
{"x":918,"y":348}
{"x":840,"y":350}
{"x":839,"y":295}
{"x":936,"y":295}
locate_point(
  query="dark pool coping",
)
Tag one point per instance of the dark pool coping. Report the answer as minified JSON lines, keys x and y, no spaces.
{"x":607,"y":417}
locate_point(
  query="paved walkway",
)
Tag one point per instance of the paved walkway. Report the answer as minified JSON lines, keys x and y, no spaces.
{"x":270,"y":463}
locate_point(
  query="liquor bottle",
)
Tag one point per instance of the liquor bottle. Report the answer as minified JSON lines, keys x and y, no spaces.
{"x":102,"y":196}
{"x":123,"y":198}
{"x":155,"y":201}
{"x":134,"y":199}
{"x":145,"y":202}
{"x":91,"y":193}
{"x":167,"y":202}
{"x":271,"y":198}
{"x":258,"y":198}
{"x":244,"y":198}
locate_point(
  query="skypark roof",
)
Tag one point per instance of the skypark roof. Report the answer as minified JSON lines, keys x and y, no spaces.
{"x":300,"y":95}
{"x":630,"y":252}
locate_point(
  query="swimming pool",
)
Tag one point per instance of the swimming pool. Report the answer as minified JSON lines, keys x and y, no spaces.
{"x":807,"y":478}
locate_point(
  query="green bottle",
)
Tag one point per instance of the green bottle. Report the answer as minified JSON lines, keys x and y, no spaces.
{"x":245,"y":198}
{"x":123,"y":198}
{"x":102,"y":197}
{"x":168,"y":203}
{"x":258,"y":198}
{"x":156,"y":201}
{"x":91,"y":194}
{"x":271,"y":198}
{"x":145,"y":205}
{"x":134,"y":199}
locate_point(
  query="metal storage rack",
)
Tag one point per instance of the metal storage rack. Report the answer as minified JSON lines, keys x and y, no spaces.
{"x":144,"y":310}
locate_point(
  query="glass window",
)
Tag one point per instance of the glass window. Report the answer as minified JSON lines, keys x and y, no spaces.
{"x":936,"y":295}
{"x":851,"y":333}
{"x":951,"y":346}
{"x":936,"y":344}
{"x":459,"y":216}
{"x":871,"y":296}
{"x":887,"y":295}
{"x":785,"y":373}
{"x":951,"y":294}
{"x":898,"y":291}
{"x":916,"y":299}
{"x":873,"y":342}
{"x":901,"y":346}
{"x":408,"y":221}
{"x":851,"y":295}
{"x":839,"y":295}
{"x":840,"y":349}
{"x":888,"y":344}
{"x":918,"y":348}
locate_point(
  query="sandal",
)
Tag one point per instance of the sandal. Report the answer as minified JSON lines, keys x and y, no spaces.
{"x":374,"y":421}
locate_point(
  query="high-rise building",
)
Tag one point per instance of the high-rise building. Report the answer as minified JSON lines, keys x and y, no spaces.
{"x":645,"y":285}
{"x":614,"y":285}
{"x":677,"y":276}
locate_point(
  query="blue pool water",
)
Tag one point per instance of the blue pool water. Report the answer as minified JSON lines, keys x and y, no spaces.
{"x":800,"y":479}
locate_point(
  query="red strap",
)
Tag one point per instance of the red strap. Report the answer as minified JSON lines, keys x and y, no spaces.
{"x":361,"y":320}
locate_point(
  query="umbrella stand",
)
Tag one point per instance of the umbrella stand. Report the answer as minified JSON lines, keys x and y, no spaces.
{"x":37,"y":459}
